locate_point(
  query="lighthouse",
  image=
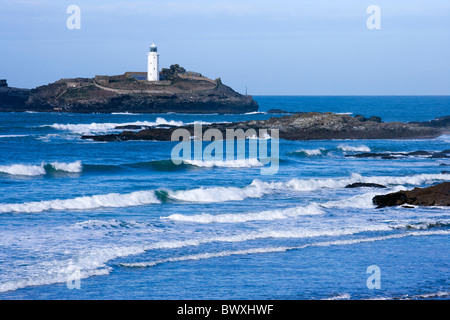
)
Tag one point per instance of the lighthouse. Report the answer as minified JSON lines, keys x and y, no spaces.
{"x":153,"y":63}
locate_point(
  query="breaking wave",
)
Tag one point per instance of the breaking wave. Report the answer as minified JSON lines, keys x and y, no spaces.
{"x":35,"y":170}
{"x":23,"y":170}
{"x":244,"y":217}
{"x":67,"y":167}
{"x":220,"y":194}
{"x":362,"y":148}
{"x":126,"y":113}
{"x":255,"y":112}
{"x":112,"y":200}
{"x":89,"y":128}
{"x":337,"y":150}
{"x":258,"y":189}
{"x":315,"y":184}
{"x":13,"y":135}
{"x":311,"y":152}
{"x":239,"y":163}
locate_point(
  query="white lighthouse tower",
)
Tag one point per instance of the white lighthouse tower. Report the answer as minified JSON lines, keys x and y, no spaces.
{"x":153,"y":63}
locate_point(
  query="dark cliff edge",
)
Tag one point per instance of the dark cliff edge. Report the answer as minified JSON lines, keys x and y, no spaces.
{"x":302,"y":126}
{"x":185,"y":92}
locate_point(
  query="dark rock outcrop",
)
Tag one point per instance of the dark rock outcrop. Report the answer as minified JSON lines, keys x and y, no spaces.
{"x":277,"y":111}
{"x":13,"y":98}
{"x":305,"y":126}
{"x":364,"y":185}
{"x":396,"y":155}
{"x":436,"y":123}
{"x":372,"y":155}
{"x":182,"y":93}
{"x":438,"y":195}
{"x":364,"y":119}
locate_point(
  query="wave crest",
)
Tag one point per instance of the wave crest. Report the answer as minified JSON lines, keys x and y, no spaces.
{"x":112,"y":200}
{"x":244,"y":217}
{"x":89,"y":128}
{"x":239,"y":163}
{"x":35,"y":170}
{"x":362,"y":148}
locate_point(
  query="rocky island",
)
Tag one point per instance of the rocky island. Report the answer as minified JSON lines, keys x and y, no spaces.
{"x":302,"y":126}
{"x":177,"y":91}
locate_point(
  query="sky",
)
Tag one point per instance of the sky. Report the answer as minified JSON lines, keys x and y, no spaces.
{"x":284,"y":47}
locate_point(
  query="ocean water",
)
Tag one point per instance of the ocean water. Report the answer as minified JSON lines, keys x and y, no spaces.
{"x":91,"y":220}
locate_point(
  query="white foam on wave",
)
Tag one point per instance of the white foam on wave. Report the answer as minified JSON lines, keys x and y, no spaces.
{"x":214,"y":194}
{"x":112,"y":200}
{"x":362,"y":148}
{"x":315,"y":184}
{"x":238,"y":163}
{"x":88,"y":128}
{"x":340,"y":296}
{"x":255,"y":112}
{"x":92,"y":261}
{"x":68,"y":167}
{"x":126,"y":113}
{"x":209,"y":255}
{"x":360,"y":201}
{"x":221,"y":194}
{"x":444,"y":137}
{"x":258,"y":189}
{"x":62,"y":275}
{"x":13,"y":135}
{"x":35,"y":170}
{"x":87,"y":264}
{"x":311,"y":152}
{"x":244,"y":217}
{"x":23,"y":170}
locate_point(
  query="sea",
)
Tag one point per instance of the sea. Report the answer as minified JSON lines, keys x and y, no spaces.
{"x":120,"y":220}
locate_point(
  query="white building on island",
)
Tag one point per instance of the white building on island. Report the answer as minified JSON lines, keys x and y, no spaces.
{"x":153,"y":63}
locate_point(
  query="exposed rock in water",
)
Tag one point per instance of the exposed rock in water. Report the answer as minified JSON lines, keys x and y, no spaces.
{"x":131,"y":127}
{"x":419,"y":153}
{"x":305,"y":126}
{"x":279,"y":111}
{"x":437,"y":123}
{"x":372,"y":155}
{"x":364,"y":119}
{"x":364,"y":185}
{"x":396,"y":155}
{"x":438,"y":195}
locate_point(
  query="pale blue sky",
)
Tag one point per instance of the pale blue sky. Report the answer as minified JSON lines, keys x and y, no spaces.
{"x":320,"y":47}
